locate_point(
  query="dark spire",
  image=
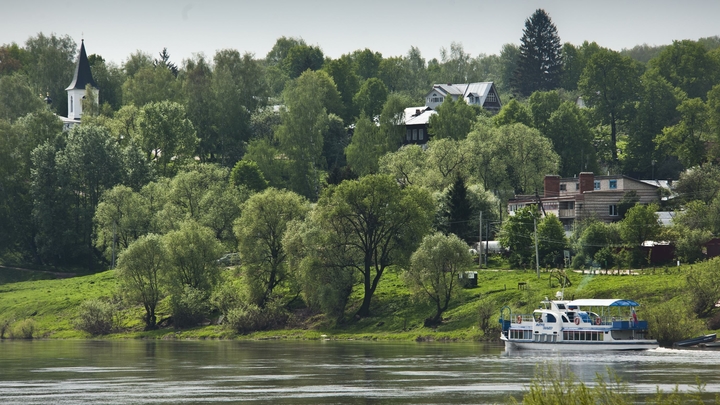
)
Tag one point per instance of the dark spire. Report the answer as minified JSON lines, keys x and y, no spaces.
{"x":83,"y":75}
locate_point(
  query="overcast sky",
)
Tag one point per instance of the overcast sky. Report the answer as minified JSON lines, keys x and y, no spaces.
{"x":116,"y":29}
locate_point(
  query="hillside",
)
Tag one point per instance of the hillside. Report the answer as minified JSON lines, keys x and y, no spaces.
{"x":53,"y":306}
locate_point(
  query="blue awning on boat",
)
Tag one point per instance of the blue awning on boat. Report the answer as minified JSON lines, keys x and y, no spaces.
{"x":603,"y":303}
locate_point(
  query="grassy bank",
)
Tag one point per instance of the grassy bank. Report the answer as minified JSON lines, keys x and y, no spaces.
{"x":52,"y":305}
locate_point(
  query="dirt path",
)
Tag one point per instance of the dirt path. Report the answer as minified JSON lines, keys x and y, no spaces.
{"x":54,"y":273}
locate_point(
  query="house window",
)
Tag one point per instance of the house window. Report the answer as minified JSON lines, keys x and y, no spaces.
{"x":491,"y":98}
{"x":421,"y":134}
{"x":408,"y":134}
{"x":414,"y":134}
{"x":577,"y":186}
{"x":71,"y":103}
{"x":613,"y":184}
{"x":597,"y":184}
{"x":563,"y":187}
{"x":613,"y":210}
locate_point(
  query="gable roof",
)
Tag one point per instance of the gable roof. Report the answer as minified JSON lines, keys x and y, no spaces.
{"x":418,"y":115}
{"x":83,"y":75}
{"x":480,"y":89}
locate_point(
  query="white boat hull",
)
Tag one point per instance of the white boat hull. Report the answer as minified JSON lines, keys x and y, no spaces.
{"x":580,"y":346}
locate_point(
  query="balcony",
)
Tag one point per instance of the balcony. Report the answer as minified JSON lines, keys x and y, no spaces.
{"x":566,"y":213}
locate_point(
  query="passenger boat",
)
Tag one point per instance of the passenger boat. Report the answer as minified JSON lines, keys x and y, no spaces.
{"x":584,"y":324}
{"x":705,"y":339}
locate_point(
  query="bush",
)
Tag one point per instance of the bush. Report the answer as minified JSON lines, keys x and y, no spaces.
{"x":486,"y":312}
{"x":671,"y":322}
{"x":189,"y":307}
{"x":24,"y":329}
{"x":96,"y":317}
{"x":251,"y":318}
{"x":4,"y":328}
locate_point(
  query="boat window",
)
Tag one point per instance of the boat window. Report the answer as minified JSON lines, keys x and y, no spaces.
{"x":564,"y":319}
{"x":561,"y":306}
{"x":550,"y":318}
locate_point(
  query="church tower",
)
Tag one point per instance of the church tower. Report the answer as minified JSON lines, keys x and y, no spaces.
{"x":76,"y":90}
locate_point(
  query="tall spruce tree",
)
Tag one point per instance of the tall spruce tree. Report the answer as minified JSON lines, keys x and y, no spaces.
{"x":540,"y":61}
{"x":459,"y":211}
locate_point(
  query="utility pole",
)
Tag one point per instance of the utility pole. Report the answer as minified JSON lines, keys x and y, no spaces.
{"x":114,"y":242}
{"x":480,"y":242}
{"x":487,"y":240}
{"x":537,"y":256}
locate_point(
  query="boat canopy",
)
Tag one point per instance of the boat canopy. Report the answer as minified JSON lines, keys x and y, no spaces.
{"x":603,"y":303}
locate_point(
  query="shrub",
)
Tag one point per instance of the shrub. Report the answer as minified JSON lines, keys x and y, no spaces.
{"x":671,"y":322}
{"x":24,"y":329}
{"x":4,"y":328}
{"x":251,"y":318}
{"x":96,"y":317}
{"x":486,"y":311}
{"x":189,"y":307}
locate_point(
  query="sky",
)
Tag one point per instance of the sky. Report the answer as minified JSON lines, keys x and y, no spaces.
{"x":115,"y":29}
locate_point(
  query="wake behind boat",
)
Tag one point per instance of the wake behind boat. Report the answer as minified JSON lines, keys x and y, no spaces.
{"x":585,"y":324}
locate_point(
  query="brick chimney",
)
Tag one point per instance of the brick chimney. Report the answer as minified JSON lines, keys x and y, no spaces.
{"x":587,"y":182}
{"x":552,"y":185}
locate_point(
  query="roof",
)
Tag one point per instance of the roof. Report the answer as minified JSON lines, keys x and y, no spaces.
{"x":418,"y":115}
{"x":479,"y":89}
{"x":603,"y":303}
{"x":83,"y":75}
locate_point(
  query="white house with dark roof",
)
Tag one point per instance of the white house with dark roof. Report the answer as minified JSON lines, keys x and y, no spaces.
{"x":76,"y":89}
{"x":482,"y":94}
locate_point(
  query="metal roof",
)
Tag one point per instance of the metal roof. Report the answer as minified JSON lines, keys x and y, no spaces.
{"x":603,"y":303}
{"x":480,"y":89}
{"x":83,"y":75}
{"x":418,"y":115}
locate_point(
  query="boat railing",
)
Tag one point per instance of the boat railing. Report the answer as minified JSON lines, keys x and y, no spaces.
{"x":523,"y":318}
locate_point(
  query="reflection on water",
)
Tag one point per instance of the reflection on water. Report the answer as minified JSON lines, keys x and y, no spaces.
{"x":287,"y":372}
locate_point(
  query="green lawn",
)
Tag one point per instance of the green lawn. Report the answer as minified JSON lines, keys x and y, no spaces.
{"x":396,"y":314}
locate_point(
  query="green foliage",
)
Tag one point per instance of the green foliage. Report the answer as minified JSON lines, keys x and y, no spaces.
{"x":250,"y":318}
{"x":301,"y":58}
{"x":572,"y":139}
{"x":454,"y":119}
{"x":373,"y":223}
{"x":150,"y":85}
{"x":17,"y":99}
{"x":551,"y":241}
{"x":140,"y":268}
{"x":689,"y":244}
{"x":518,"y":235}
{"x":365,"y":148}
{"x":246,"y":173}
{"x":640,"y":224}
{"x":371,"y":97}
{"x":24,"y":329}
{"x":672,"y":322}
{"x":687,"y":139}
{"x":166,"y":135}
{"x":189,"y":306}
{"x":539,"y":63}
{"x":192,"y":252}
{"x":513,"y":113}
{"x":689,"y":66}
{"x":609,"y":85}
{"x":96,"y":317}
{"x":459,"y":213}
{"x":49,"y":63}
{"x":703,"y":287}
{"x":435,"y":268}
{"x":260,"y":230}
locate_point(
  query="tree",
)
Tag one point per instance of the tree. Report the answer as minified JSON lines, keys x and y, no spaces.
{"x":525,"y":156}
{"x":280,"y":50}
{"x":551,"y":240}
{"x":454,"y":120}
{"x":703,"y":286}
{"x":572,"y":140}
{"x":347,"y":82}
{"x":260,"y":231}
{"x":150,"y":85}
{"x":640,"y":224}
{"x":609,"y":86}
{"x":17,"y":98}
{"x":167,"y":137}
{"x":140,"y":268}
{"x":198,"y":91}
{"x":406,"y":166}
{"x":541,"y":105}
{"x":517,"y":234}
{"x":687,"y":139}
{"x":598,"y":236}
{"x":656,"y":109}
{"x":446,"y":160}
{"x":365,"y":147}
{"x":367,"y":63}
{"x":371,"y":97}
{"x":246,"y":173}
{"x":122,"y":216}
{"x":373,"y":223}
{"x":435,"y":268}
{"x":513,"y":113}
{"x":50,"y":65}
{"x":301,"y":58}
{"x":459,"y":212}
{"x":540,"y":62}
{"x":109,"y":78}
{"x":192,"y":252}
{"x":305,"y":122}
{"x":689,"y":66}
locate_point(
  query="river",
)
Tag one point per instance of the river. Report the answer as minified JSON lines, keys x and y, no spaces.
{"x":315,"y":372}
